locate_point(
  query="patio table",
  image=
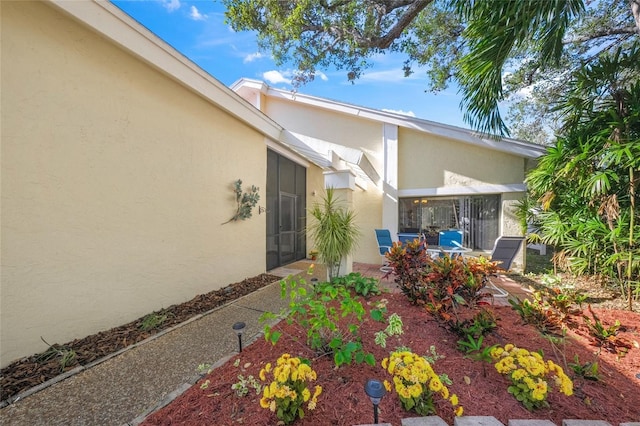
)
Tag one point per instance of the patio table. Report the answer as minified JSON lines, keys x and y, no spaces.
{"x":436,"y":251}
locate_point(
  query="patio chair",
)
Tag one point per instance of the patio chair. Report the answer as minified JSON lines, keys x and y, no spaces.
{"x":383,"y":237}
{"x":451,"y":238}
{"x":504,"y":251}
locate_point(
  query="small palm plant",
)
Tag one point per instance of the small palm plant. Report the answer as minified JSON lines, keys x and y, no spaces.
{"x":334,"y":231}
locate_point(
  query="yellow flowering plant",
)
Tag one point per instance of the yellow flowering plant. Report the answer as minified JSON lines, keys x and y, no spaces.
{"x":288,"y":390}
{"x":530,"y":374}
{"x":416,"y":383}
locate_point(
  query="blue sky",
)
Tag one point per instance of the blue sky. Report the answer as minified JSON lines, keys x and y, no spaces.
{"x":196,"y":29}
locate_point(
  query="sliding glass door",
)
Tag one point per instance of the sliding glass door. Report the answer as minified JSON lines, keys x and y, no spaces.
{"x":478,"y":216}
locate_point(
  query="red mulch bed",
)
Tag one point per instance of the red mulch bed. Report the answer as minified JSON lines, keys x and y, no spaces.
{"x":615,"y":398}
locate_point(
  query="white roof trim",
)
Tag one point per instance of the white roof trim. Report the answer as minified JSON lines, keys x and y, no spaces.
{"x":285,"y":152}
{"x":118,"y":27}
{"x":507,"y":145}
{"x":463,"y":190}
{"x":332,"y":156}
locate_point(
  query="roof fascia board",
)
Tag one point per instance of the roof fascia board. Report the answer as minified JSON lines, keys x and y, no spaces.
{"x":295,"y":157}
{"x":463,"y":190}
{"x":115,"y":25}
{"x":507,"y":145}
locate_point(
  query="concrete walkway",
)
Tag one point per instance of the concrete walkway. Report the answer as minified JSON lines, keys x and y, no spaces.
{"x":124,"y":388}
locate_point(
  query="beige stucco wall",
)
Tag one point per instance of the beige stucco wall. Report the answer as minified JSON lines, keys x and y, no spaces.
{"x":329,"y":126}
{"x":368,"y":208}
{"x":352,"y":132}
{"x":429,"y":162}
{"x":115,"y":182}
{"x":432,"y":162}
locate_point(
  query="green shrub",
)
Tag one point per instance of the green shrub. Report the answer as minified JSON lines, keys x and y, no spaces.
{"x":364,"y":286}
{"x":442,"y":283}
{"x":319,"y":311}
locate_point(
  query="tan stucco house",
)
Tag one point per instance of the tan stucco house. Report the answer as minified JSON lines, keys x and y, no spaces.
{"x":405,"y":174}
{"x":118,"y":158}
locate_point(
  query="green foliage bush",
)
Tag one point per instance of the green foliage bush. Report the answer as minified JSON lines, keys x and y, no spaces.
{"x":319,"y":310}
{"x":364,"y":286}
{"x":441,"y":284}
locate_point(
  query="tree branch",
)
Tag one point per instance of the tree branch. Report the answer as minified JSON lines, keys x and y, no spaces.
{"x":394,"y":32}
{"x":603,"y":33}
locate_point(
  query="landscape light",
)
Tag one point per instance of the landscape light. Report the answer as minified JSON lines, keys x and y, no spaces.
{"x":375,"y":391}
{"x":239,"y":329}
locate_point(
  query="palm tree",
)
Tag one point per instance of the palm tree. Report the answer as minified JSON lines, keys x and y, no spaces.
{"x":587,"y":182}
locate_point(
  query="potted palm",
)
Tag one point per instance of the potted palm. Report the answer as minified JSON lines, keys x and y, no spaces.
{"x":334,"y":231}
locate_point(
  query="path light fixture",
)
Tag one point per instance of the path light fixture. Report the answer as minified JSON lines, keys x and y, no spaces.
{"x":314,"y":281}
{"x":239,"y":329}
{"x":375,"y":391}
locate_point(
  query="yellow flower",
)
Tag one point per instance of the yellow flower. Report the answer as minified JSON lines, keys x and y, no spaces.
{"x":404,"y":392}
{"x":496,"y":352}
{"x":384,"y":363}
{"x":306,"y":394}
{"x":529,"y":382}
{"x":312,"y":405}
{"x":387,"y":386}
{"x":459,"y":411}
{"x":445,"y":392}
{"x":415,"y":390}
{"x":435,"y":384}
{"x":267,"y":367}
{"x":508,"y":347}
{"x":537,"y":395}
{"x":262,"y":375}
{"x":518,"y":374}
{"x":264,"y":402}
{"x":454,"y":399}
{"x":317,"y":392}
{"x":272,"y":406}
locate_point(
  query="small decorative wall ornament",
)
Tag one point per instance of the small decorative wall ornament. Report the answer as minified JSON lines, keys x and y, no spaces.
{"x":246,"y":201}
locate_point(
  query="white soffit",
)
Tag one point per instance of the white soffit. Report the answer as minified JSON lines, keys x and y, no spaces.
{"x":321,"y":153}
{"x":115,"y":25}
{"x":463,"y":190}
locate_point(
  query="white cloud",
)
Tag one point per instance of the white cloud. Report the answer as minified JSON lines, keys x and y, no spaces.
{"x":401,"y":112}
{"x":196,"y":15}
{"x":393,"y":75}
{"x":322,"y":76}
{"x":275,"y":77}
{"x":171,"y":5}
{"x":252,"y":57}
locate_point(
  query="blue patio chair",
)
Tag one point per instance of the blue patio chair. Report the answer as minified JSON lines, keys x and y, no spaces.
{"x":383,"y":237}
{"x":451,"y":238}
